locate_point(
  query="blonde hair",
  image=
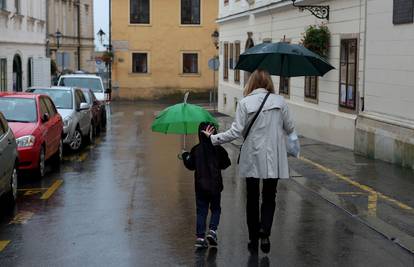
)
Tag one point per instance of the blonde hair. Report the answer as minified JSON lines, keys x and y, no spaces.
{"x":259,"y":79}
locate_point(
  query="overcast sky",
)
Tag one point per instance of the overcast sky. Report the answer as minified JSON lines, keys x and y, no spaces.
{"x":101,"y":20}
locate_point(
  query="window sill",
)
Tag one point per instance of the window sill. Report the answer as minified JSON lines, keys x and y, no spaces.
{"x":347,"y":110}
{"x":190,"y":74}
{"x":139,"y":74}
{"x":311,"y":100}
{"x":191,"y":25}
{"x":4,"y":12}
{"x":139,"y":25}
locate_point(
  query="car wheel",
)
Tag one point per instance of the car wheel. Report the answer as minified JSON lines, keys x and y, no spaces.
{"x":42,"y":163}
{"x":76,"y":142}
{"x":57,"y":158}
{"x":12,"y":195}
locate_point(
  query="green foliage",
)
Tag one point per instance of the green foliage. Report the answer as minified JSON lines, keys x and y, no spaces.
{"x":317,"y":39}
{"x":107,"y":56}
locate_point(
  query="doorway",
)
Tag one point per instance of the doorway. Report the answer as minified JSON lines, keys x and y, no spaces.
{"x":17,"y":74}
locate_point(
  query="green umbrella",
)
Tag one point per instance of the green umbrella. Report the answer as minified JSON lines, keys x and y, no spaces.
{"x":283,"y":59}
{"x":182,"y":118}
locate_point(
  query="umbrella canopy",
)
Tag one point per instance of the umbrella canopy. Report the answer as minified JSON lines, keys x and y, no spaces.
{"x":283,"y":59}
{"x":182,"y":119}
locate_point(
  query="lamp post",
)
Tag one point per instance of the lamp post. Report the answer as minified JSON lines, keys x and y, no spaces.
{"x":215,"y":39}
{"x":58,"y":36}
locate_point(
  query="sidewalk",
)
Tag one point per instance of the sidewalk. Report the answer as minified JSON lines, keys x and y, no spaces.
{"x":377,"y":194}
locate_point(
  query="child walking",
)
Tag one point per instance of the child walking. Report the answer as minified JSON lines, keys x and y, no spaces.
{"x":207,"y":161}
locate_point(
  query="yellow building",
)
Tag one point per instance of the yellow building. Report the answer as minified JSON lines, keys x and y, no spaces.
{"x":162,"y":47}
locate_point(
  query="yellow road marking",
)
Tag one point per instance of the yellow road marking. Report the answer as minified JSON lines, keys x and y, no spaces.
{"x":32,"y":192}
{"x":372,"y":204}
{"x":22,"y":217}
{"x":83,"y":156}
{"x":351,"y":193}
{"x":3,"y":244}
{"x":360,"y":186}
{"x":52,"y":189}
{"x":30,"y":189}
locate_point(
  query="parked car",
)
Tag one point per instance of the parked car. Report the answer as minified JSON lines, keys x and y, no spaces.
{"x":75,"y":111}
{"x":98,"y":110}
{"x":8,"y":162}
{"x":38,"y":129}
{"x":90,"y":81}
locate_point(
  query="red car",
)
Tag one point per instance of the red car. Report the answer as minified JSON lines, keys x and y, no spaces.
{"x":37,"y":127}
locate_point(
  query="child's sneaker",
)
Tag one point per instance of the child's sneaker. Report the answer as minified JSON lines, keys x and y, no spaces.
{"x":201,"y":243}
{"x":212,"y":238}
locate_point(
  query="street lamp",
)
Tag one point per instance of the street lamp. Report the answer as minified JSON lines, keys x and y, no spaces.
{"x":215,"y":38}
{"x":58,"y":36}
{"x":101,"y":34}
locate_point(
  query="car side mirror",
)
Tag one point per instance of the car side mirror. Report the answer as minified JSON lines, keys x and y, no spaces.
{"x":45,"y":117}
{"x":84,"y":106}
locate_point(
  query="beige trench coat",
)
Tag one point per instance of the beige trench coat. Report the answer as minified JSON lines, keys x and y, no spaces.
{"x":264,"y":152}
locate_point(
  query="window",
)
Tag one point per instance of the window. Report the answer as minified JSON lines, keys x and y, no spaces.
{"x":226,"y":62}
{"x":190,"y":63}
{"x":3,"y":4}
{"x":231,"y":56}
{"x":190,"y":11}
{"x":50,"y":107}
{"x":224,"y":99}
{"x":284,"y":86}
{"x":17,"y":5}
{"x":3,"y":74}
{"x":2,"y":128}
{"x":311,"y":87}
{"x":237,"y":56}
{"x":403,"y":11}
{"x":140,"y":63}
{"x":43,"y":108}
{"x":29,"y":72}
{"x":139,"y":11}
{"x":348,"y":74}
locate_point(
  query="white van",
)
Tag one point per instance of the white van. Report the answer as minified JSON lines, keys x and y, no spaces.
{"x":84,"y":81}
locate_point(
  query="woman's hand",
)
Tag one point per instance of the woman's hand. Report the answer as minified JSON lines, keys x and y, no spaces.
{"x":208,"y":131}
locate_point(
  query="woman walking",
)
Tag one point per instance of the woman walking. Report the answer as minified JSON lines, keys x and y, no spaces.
{"x":263,"y":119}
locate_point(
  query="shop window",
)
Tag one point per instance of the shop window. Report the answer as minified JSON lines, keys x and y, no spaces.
{"x":190,"y":63}
{"x":348,"y":74}
{"x":139,"y":11}
{"x":226,"y":62}
{"x":190,"y":12}
{"x":284,"y":86}
{"x":140,"y":63}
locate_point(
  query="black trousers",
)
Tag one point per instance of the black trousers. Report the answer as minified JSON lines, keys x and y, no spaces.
{"x":260,"y":220}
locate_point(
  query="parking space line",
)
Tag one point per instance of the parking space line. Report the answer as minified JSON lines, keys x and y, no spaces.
{"x":52,"y":189}
{"x":4,"y":244}
{"x":366,"y":188}
{"x":351,"y":193}
{"x":22,"y":217}
{"x":372,"y":204}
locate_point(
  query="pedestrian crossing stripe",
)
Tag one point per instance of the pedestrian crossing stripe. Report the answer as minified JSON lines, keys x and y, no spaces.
{"x":4,"y":244}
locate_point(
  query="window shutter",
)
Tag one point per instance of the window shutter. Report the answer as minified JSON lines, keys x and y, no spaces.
{"x":403,"y":11}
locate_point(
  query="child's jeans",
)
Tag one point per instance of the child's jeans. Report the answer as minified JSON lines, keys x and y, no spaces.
{"x":204,"y":202}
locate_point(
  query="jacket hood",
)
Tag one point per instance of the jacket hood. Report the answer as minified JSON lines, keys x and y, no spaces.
{"x":202,"y":137}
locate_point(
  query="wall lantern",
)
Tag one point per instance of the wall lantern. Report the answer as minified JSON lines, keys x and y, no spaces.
{"x":215,"y":38}
{"x":58,"y":36}
{"x":101,"y":34}
{"x":321,"y":12}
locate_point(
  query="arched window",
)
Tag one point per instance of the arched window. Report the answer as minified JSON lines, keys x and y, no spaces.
{"x":29,"y":72}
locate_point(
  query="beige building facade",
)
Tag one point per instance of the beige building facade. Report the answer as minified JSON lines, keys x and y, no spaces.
{"x":74,"y":20}
{"x":162,"y":47}
{"x":366,"y":103}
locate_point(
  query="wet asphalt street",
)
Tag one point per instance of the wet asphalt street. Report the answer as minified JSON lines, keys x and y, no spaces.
{"x":127,"y":200}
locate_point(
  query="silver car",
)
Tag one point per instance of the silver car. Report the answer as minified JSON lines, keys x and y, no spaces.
{"x":8,"y":162}
{"x":75,"y":111}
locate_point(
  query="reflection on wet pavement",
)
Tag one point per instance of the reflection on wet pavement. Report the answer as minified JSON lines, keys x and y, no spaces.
{"x":128,"y":201}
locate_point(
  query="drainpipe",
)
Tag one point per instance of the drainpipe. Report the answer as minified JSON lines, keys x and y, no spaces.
{"x":365,"y":55}
{"x":79,"y":35}
{"x":47,"y":30}
{"x":110,"y":49}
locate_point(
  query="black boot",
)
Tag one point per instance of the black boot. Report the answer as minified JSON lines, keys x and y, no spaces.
{"x":265,"y":244}
{"x":253,"y":246}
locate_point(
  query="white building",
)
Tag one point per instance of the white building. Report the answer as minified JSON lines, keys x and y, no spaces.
{"x":377,"y":97}
{"x":22,"y":44}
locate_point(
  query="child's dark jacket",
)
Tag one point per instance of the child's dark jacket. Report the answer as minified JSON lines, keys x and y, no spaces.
{"x":207,"y":161}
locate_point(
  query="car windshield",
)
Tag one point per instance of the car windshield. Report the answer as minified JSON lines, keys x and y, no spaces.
{"x":91,"y":83}
{"x":62,"y":98}
{"x":18,"y":109}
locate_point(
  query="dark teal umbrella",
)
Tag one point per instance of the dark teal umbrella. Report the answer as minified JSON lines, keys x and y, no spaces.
{"x":283,"y":59}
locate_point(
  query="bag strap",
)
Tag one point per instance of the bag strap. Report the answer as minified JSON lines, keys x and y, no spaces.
{"x":255,"y":116}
